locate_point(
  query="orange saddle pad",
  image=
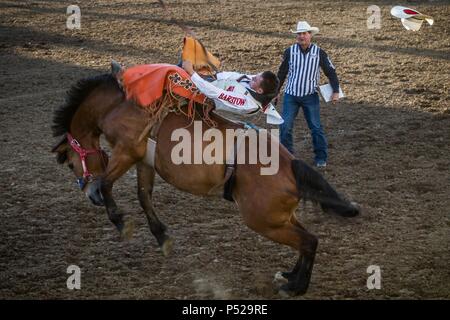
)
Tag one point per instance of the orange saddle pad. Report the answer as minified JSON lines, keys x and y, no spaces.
{"x":147,"y":83}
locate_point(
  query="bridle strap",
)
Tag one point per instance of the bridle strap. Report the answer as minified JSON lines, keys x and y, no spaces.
{"x":83,"y":153}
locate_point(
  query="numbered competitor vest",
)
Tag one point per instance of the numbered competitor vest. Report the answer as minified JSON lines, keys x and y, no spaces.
{"x":231,"y":85}
{"x":234,"y":86}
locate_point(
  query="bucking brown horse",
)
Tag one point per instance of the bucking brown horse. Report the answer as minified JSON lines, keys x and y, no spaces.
{"x":97,"y":105}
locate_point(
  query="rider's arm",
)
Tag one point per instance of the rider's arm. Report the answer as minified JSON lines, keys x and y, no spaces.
{"x":232,"y":75}
{"x":229,"y":75}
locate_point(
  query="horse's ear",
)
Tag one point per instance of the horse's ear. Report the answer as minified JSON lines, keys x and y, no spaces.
{"x":61,"y":150}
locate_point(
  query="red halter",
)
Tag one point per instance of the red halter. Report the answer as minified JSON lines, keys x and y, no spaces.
{"x":83,"y":153}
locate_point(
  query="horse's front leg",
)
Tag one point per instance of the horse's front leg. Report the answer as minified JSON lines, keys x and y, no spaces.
{"x":119,"y":163}
{"x":146,"y":178}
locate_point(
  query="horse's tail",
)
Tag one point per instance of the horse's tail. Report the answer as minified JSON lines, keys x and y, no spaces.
{"x":312,"y":186}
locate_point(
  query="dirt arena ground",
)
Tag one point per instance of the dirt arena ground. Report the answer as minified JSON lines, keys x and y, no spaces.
{"x":389,"y":151}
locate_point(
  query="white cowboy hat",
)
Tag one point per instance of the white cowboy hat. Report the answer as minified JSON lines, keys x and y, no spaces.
{"x":411,"y":19}
{"x":303,"y":26}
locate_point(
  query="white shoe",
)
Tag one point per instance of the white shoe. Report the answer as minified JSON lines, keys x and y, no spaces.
{"x":321,"y":164}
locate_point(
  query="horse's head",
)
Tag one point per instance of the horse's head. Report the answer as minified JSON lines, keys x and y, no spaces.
{"x":88,"y":165}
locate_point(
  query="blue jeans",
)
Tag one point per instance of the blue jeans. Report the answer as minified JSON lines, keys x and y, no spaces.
{"x":311,"y":110}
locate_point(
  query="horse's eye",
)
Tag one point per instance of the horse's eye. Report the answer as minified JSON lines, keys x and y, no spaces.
{"x":70,"y":166}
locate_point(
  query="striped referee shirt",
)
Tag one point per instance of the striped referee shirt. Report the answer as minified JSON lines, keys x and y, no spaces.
{"x":302,"y":70}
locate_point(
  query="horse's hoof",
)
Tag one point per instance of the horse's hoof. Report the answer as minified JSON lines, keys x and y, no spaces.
{"x":167,"y":247}
{"x":286,"y":291}
{"x":279,"y":278}
{"x":127,"y":230}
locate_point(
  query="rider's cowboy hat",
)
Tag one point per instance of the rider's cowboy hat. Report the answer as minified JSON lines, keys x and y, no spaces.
{"x":411,"y":19}
{"x":303,"y":26}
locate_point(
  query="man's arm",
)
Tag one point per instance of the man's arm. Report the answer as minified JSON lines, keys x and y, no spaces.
{"x":284,"y":67}
{"x":329,"y":70}
{"x":229,"y":75}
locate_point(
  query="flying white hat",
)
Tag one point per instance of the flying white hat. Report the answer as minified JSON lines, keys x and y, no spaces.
{"x":411,"y":19}
{"x":303,"y":26}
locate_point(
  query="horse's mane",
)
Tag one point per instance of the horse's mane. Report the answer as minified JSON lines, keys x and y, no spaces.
{"x":63,"y":115}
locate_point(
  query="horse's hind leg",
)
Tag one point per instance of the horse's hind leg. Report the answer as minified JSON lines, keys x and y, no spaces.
{"x":290,"y":232}
{"x":289,"y":275}
{"x":306,"y":243}
{"x":146,"y":177}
